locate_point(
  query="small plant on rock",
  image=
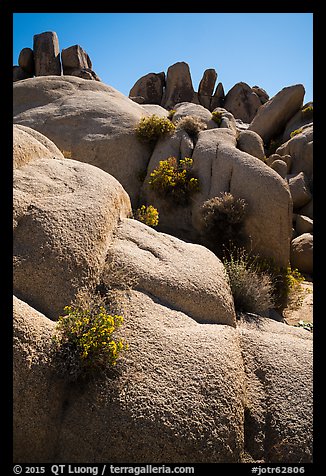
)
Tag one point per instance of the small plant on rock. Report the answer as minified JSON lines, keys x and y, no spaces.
{"x":217,"y":117}
{"x":174,"y":180}
{"x":296,"y":132}
{"x":148,"y":215}
{"x":223,"y":222}
{"x":308,"y":326}
{"x":171,"y":114}
{"x":307,"y":109}
{"x":192,"y":125}
{"x":84,"y":341}
{"x":153,"y":127}
{"x":67,"y":154}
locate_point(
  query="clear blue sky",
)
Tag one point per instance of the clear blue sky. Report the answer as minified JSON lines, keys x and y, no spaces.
{"x":271,"y":50}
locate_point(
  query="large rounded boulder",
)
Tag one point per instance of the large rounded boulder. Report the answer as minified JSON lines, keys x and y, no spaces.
{"x":28,"y":144}
{"x":88,"y":121}
{"x":64,"y":214}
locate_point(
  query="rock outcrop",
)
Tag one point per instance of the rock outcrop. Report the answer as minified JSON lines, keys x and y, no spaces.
{"x":29,"y":145}
{"x":76,"y":62}
{"x":273,"y":116}
{"x":46,"y":54}
{"x":89,"y":121}
{"x":106,"y":138}
{"x":150,"y":87}
{"x":196,"y":385}
{"x":44,"y":59}
{"x":26,"y":61}
{"x":190,"y":392}
{"x":293,"y":161}
{"x":242,"y":102}
{"x":64,"y":213}
{"x":302,"y":253}
{"x":300,"y":149}
{"x":55,"y":202}
{"x":206,"y":87}
{"x":218,"y":97}
{"x":222,"y":167}
{"x":178,"y":87}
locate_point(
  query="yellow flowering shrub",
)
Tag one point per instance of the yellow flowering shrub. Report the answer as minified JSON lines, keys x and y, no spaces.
{"x":148,"y":215}
{"x":174,"y":180}
{"x":84,"y":340}
{"x":217,"y":117}
{"x":149,"y":129}
{"x":307,"y":109}
{"x":296,"y":132}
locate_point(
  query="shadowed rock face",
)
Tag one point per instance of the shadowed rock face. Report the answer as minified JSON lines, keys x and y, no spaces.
{"x":179,"y":86}
{"x":74,"y":58}
{"x":150,"y":88}
{"x":46,"y":54}
{"x":26,"y":61}
{"x":242,"y":102}
{"x":44,"y":59}
{"x":206,"y":87}
{"x":19,"y":74}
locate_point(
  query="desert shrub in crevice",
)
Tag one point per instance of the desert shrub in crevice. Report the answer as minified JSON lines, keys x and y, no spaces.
{"x":147,"y":215}
{"x":217,"y":117}
{"x":151,"y":128}
{"x":251,"y":288}
{"x":192,"y":125}
{"x":286,"y":281}
{"x":84,"y":342}
{"x":175,"y":181}
{"x":223,"y":219}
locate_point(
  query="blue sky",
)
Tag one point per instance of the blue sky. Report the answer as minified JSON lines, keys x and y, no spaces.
{"x":270,"y":50}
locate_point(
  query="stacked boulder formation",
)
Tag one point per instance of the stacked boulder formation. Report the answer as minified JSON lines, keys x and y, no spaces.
{"x":176,"y":86}
{"x":201,"y":382}
{"x":44,"y":60}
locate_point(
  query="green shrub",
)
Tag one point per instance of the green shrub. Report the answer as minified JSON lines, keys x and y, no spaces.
{"x":223,"y":220}
{"x":296,"y":132}
{"x":84,"y":341}
{"x":151,"y":128}
{"x":307,"y":109}
{"x":192,"y":125}
{"x":217,"y":117}
{"x":308,"y":326}
{"x":174,"y":181}
{"x":285,"y":280}
{"x":251,"y":288}
{"x":171,"y":114}
{"x":148,"y":215}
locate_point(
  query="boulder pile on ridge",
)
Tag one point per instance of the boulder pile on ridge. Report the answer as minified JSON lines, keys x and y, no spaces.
{"x":44,"y":59}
